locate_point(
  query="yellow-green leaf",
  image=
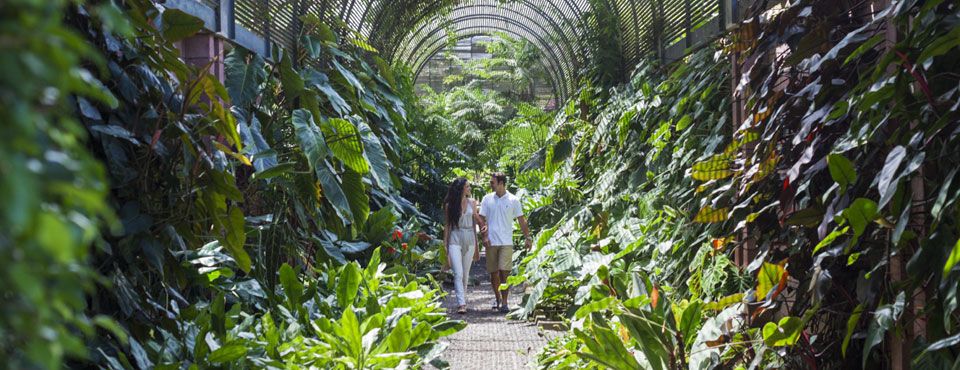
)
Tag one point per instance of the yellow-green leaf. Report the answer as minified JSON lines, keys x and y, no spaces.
{"x":784,"y":333}
{"x":708,"y":214}
{"x":769,"y":278}
{"x":714,"y":168}
{"x":344,"y":141}
{"x":952,"y":260}
{"x":724,"y":302}
{"x":830,"y":238}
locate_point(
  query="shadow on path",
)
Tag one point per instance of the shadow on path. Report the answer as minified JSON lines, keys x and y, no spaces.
{"x":490,"y":340}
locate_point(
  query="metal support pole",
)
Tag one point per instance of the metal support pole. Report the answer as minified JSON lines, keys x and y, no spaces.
{"x":228,"y":20}
{"x":265,"y":21}
{"x":657,"y":29}
{"x":722,"y":16}
{"x":688,"y":27}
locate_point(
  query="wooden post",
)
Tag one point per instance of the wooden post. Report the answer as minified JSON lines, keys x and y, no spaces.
{"x":203,"y":48}
{"x":900,"y":344}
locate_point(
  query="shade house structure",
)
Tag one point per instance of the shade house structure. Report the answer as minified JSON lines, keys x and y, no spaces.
{"x":566,"y":32}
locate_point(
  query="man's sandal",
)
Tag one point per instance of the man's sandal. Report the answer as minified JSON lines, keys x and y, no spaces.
{"x":462,"y":310}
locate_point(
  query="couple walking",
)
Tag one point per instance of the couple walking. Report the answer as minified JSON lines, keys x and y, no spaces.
{"x":494,"y":216}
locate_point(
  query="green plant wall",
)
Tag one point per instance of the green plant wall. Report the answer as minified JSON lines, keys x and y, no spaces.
{"x":836,"y":191}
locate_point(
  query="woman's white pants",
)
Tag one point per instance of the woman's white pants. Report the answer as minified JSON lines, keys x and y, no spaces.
{"x":461,"y":258}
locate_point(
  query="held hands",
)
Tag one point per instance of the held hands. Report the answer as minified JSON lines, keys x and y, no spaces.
{"x":528,"y":243}
{"x":476,"y":256}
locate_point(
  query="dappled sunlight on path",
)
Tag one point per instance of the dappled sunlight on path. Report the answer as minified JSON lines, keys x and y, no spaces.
{"x":490,"y":340}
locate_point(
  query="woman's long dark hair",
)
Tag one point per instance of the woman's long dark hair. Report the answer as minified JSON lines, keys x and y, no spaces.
{"x":452,"y":202}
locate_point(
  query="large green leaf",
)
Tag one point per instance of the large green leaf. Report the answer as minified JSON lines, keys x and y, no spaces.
{"x":292,"y":287}
{"x":348,"y":331}
{"x":311,"y":140}
{"x":315,"y":149}
{"x":841,"y":170}
{"x":607,"y":349}
{"x":349,"y":76}
{"x":448,"y":327}
{"x":860,"y":213}
{"x":379,"y":225}
{"x":941,"y":45}
{"x":375,"y":156}
{"x":227,"y":353}
{"x":784,"y":333}
{"x":236,"y":237}
{"x":330,"y":183}
{"x":348,"y":284}
{"x":254,"y":144}
{"x":177,"y":25}
{"x":344,"y":141}
{"x":399,"y":338}
{"x":356,"y":193}
{"x":321,"y":82}
{"x":243,"y":80}
{"x":293,"y":85}
{"x":830,"y":238}
{"x":646,"y":327}
{"x":690,"y":321}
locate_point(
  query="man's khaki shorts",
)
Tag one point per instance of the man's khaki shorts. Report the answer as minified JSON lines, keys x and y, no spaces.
{"x":499,"y":258}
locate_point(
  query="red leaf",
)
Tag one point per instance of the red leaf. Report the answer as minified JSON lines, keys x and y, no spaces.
{"x":156,"y":137}
{"x":655,"y":297}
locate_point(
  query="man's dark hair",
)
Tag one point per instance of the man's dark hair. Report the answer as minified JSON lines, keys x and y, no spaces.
{"x":500,"y":176}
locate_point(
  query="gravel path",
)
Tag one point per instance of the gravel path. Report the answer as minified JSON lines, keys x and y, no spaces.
{"x":490,"y":340}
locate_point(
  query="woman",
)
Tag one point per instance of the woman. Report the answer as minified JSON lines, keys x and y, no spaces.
{"x":459,"y":235}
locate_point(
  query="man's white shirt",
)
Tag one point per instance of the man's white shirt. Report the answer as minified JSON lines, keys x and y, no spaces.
{"x":500,"y":213}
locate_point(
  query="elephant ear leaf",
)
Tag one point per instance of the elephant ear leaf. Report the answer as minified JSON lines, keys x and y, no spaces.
{"x":375,"y":156}
{"x":243,"y":78}
{"x":315,"y":148}
{"x":345,"y":143}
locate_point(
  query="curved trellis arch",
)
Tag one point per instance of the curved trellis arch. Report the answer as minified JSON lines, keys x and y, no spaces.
{"x":560,"y":29}
{"x":534,"y":18}
{"x":551,"y":34}
{"x":555,"y":83}
{"x":559,"y":66}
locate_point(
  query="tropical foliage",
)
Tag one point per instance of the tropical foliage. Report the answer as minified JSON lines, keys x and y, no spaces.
{"x":158,"y":216}
{"x":490,"y":119}
{"x":223,"y":217}
{"x":817,"y":232}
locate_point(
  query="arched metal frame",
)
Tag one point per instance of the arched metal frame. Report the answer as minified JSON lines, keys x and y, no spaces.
{"x":559,"y":64}
{"x":559,"y":90}
{"x":407,"y":31}
{"x":526,"y":19}
{"x":554,"y":28}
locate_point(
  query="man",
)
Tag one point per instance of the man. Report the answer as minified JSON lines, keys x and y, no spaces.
{"x":498,"y":210}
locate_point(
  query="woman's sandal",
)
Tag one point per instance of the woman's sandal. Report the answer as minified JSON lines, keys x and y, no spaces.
{"x":462,"y":310}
